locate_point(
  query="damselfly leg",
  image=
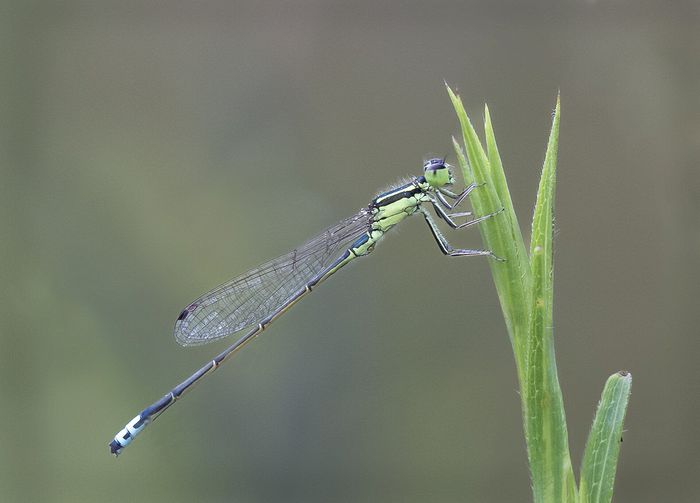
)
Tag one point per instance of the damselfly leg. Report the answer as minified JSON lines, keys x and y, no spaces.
{"x":444,"y":245}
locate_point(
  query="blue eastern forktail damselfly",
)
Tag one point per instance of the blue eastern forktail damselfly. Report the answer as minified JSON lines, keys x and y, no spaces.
{"x":259,"y":296}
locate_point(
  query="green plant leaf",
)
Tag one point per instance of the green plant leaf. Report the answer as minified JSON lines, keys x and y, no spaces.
{"x":603,"y":446}
{"x":524,"y":283}
{"x":500,"y":233}
{"x":550,"y":462}
{"x":519,"y":284}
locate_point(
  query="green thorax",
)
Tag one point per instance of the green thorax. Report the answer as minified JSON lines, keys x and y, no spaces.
{"x":392,"y":206}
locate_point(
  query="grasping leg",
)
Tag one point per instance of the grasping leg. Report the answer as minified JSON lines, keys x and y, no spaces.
{"x":446,"y":247}
{"x":442,"y":192}
{"x":448,"y":217}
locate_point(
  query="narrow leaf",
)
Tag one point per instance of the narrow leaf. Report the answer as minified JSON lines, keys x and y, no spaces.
{"x":546,"y":431}
{"x":603,"y":446}
{"x":498,"y":233}
{"x":519,"y":262}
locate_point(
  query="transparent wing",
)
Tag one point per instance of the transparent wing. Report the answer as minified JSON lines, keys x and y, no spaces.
{"x":251,"y":297}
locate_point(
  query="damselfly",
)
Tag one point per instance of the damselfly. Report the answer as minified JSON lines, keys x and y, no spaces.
{"x":258,"y":297}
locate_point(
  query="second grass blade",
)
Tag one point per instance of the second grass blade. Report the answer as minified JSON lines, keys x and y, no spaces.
{"x":548,"y":444}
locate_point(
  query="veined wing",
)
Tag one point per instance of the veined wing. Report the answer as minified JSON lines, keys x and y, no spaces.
{"x":251,"y":297}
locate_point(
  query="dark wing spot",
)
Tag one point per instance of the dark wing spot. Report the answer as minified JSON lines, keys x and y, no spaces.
{"x":185,"y":312}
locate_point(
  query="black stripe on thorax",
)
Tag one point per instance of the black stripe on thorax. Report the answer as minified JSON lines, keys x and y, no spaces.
{"x":391,"y":196}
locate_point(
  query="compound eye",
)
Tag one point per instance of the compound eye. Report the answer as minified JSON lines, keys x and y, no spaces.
{"x":433,"y":164}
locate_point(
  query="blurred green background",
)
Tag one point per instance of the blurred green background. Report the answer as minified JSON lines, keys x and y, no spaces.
{"x":151,"y":150}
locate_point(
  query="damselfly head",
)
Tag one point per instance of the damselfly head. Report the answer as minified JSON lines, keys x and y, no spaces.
{"x":437,"y":172}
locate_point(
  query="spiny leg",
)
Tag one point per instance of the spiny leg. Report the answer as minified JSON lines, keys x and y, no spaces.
{"x":442,"y":192}
{"x":453,"y":195}
{"x":445,"y":246}
{"x":448,"y":217}
{"x":469,"y":223}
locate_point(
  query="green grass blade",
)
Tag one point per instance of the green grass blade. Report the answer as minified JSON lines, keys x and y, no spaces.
{"x":548,"y":446}
{"x":500,"y":233}
{"x":524,"y":283}
{"x":501,"y":185}
{"x":603,"y":446}
{"x":519,"y":262}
